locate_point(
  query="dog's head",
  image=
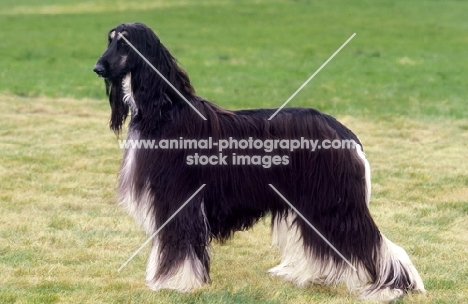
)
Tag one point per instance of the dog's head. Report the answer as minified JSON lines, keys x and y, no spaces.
{"x":127,"y":66}
{"x":119,"y":59}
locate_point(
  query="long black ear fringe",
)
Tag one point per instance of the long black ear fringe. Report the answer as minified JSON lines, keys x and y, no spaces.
{"x":119,"y":110}
{"x":149,"y":83}
{"x":175,"y":74}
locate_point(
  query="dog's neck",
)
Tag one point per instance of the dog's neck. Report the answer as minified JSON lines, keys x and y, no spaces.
{"x":128,"y":97}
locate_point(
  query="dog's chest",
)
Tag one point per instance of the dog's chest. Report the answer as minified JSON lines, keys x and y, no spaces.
{"x":128,"y":164}
{"x":128,"y":97}
{"x":138,"y":206}
{"x":127,"y":174}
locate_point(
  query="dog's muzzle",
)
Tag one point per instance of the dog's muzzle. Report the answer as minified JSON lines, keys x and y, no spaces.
{"x":99,"y":69}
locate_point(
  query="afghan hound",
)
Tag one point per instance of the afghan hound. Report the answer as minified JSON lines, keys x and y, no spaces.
{"x":330,"y":188}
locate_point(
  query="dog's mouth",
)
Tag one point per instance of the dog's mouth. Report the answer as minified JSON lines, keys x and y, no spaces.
{"x":108,"y":74}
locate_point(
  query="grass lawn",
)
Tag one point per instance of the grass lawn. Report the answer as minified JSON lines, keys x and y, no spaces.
{"x":400,"y":84}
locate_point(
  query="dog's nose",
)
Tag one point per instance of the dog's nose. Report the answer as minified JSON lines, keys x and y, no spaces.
{"x":99,"y":69}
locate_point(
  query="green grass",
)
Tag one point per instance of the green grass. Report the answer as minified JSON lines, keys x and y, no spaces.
{"x":400,"y":84}
{"x":407,"y":57}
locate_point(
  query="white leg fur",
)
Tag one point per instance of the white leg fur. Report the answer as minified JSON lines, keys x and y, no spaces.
{"x":188,"y":275}
{"x":393,"y":262}
{"x":392,"y":259}
{"x":286,"y":237}
{"x":301,"y":267}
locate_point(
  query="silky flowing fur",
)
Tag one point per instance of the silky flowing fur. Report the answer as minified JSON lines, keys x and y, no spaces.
{"x":330,"y":187}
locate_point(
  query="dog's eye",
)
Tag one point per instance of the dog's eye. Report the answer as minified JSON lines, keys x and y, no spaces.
{"x":123,"y":45}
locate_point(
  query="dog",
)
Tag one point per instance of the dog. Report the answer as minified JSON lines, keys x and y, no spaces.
{"x":328,"y":189}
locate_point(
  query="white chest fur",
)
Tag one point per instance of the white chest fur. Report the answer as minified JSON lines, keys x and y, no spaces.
{"x":138,"y":206}
{"x":128,"y":97}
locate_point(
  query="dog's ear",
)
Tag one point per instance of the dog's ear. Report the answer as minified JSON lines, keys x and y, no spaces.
{"x":153,"y":95}
{"x":176,"y":75}
{"x":167,"y":65}
{"x":150,"y":46}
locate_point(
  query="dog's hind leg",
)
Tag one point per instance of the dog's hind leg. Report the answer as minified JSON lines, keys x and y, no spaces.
{"x":396,"y":275}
